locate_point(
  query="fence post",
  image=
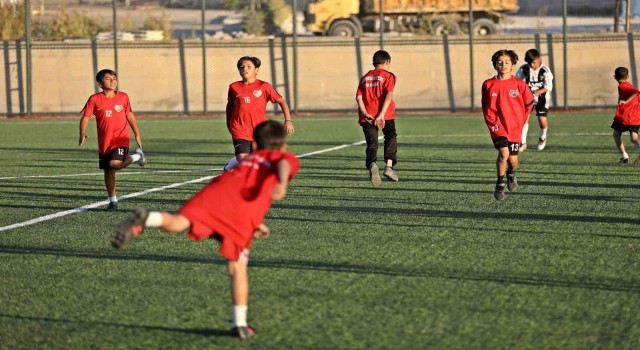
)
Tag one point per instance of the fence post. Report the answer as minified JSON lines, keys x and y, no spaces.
{"x":19,"y":73}
{"x":204,"y":57}
{"x":285,"y":68}
{"x":447,"y":69}
{"x":632,"y":60}
{"x":536,"y":41}
{"x":7,"y":76}
{"x":554,"y":92}
{"x":358,"y":57}
{"x":94,"y":60}
{"x":272,"y":59}
{"x":183,"y":76}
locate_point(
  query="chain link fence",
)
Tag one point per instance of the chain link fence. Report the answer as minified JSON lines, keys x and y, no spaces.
{"x":581,"y":40}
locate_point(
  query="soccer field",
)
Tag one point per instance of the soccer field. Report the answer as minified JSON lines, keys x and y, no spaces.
{"x":430,"y":262}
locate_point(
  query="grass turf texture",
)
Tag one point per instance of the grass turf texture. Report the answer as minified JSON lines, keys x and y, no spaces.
{"x":433,"y":261}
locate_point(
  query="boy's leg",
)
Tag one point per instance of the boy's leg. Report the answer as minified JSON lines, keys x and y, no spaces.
{"x":617,"y":137}
{"x":525,"y":131}
{"x":371,"y":138}
{"x":390,"y":150}
{"x":512,"y":181}
{"x":501,"y":167}
{"x":240,"y":296}
{"x":141,"y":218}
{"x":634,"y":139}
{"x":110,"y":184}
{"x":544,"y":125}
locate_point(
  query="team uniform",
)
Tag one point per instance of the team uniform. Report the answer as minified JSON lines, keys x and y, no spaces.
{"x":537,"y":79}
{"x":249,"y":109}
{"x":374,"y":87}
{"x":506,"y":105}
{"x":627,"y":117}
{"x":112,"y":126}
{"x":234,"y":204}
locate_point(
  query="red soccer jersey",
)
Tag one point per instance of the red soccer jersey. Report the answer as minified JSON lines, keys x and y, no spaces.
{"x":506,"y":105}
{"x":111,"y":119}
{"x":236,"y":202}
{"x":374,"y":87}
{"x":628,"y":113}
{"x":249,"y":106}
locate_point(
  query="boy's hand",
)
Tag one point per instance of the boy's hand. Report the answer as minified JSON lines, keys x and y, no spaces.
{"x":279,"y":191}
{"x":379,"y":122}
{"x":262,"y":231}
{"x":83,"y":137}
{"x":288,"y":125}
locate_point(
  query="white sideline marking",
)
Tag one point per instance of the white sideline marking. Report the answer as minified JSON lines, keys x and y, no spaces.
{"x":101,"y":174}
{"x":141,"y":193}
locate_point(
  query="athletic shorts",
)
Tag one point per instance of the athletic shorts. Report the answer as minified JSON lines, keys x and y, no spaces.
{"x":502,"y":141}
{"x":622,"y":128}
{"x":229,"y":249}
{"x":118,"y":153}
{"x":542,"y":107}
{"x":241,"y":146}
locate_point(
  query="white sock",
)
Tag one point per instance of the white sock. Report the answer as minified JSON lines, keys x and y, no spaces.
{"x":543,"y":133}
{"x":239,"y":315}
{"x":136,"y":157}
{"x":625,"y":155}
{"x":232,"y":164}
{"x":113,"y":199}
{"x":154,"y":219}
{"x":525,"y":131}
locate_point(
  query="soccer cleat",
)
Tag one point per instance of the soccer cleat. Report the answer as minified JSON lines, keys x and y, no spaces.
{"x":512,"y":183}
{"x":113,"y":206}
{"x":390,"y":173}
{"x":623,"y":161}
{"x":637,"y":161}
{"x":374,"y":174}
{"x":541,"y":143}
{"x":499,"y":192}
{"x":143,"y":159}
{"x":243,"y":332}
{"x":126,"y":230}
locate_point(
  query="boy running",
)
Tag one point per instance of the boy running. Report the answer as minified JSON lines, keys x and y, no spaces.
{"x":230,"y":209}
{"x":247,"y":106}
{"x":540,"y":80}
{"x":627,"y":116}
{"x":506,"y":103}
{"x":377,"y":111}
{"x":113,"y":120}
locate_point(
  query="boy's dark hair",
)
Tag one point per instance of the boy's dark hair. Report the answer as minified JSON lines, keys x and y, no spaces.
{"x":381,"y":57}
{"x":104,"y":72}
{"x":531,"y":55}
{"x":270,"y":134}
{"x":510,"y":53}
{"x":621,"y":73}
{"x":255,"y":60}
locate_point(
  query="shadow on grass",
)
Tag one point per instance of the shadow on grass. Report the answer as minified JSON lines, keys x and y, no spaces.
{"x":196,"y":331}
{"x":436,"y":272}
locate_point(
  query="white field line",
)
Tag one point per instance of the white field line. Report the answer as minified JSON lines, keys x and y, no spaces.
{"x":102,"y":174}
{"x":141,"y":193}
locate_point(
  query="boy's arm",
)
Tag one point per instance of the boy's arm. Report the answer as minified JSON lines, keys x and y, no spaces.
{"x":288,"y":124}
{"x":379,"y":121}
{"x":131,"y":118}
{"x":363,"y":109}
{"x":629,"y":99}
{"x":229,"y":112}
{"x":84,"y":121}
{"x":283,"y":172}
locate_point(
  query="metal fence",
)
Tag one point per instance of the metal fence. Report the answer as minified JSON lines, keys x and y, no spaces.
{"x":578,"y":40}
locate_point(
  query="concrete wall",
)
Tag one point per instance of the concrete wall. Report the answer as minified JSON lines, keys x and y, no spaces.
{"x":63,"y":75}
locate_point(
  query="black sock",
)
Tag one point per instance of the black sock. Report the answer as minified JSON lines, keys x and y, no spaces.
{"x":500,"y":180}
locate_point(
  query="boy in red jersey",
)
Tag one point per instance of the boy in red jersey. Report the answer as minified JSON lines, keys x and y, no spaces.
{"x":627,"y":116}
{"x":230,"y":209}
{"x":247,"y":105}
{"x":506,"y":103}
{"x":113,"y":119}
{"x":377,"y":111}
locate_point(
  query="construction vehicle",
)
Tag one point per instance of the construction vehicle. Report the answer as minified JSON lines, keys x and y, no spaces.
{"x":351,"y":18}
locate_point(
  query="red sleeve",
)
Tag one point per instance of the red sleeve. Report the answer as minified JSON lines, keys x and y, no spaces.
{"x":527,"y":97}
{"x":127,"y":105}
{"x":294,"y":163}
{"x":87,"y":110}
{"x":390,"y":82}
{"x":272,"y":95}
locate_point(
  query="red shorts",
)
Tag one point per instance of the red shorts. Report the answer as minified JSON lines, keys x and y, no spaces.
{"x":230,"y":249}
